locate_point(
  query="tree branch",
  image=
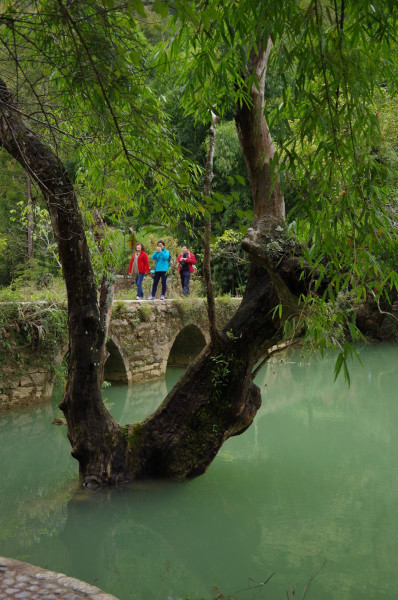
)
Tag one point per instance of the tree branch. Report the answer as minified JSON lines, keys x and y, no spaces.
{"x":256,"y":143}
{"x":106,"y":287}
{"x":211,"y":307}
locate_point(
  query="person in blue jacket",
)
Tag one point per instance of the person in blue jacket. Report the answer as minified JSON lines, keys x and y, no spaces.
{"x":162,"y":263}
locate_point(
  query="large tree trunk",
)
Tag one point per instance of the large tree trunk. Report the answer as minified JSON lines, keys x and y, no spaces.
{"x":216,"y":397}
{"x":89,"y":424}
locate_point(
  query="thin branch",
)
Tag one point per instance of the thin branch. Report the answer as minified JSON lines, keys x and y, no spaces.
{"x":106,"y":288}
{"x":274,"y":350}
{"x":19,"y":67}
{"x":384,"y":312}
{"x":211,"y":306}
{"x":311,"y":579}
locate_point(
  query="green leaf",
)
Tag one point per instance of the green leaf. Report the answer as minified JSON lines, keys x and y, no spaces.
{"x":338,"y":365}
{"x":138,"y":6}
{"x":161,"y":8}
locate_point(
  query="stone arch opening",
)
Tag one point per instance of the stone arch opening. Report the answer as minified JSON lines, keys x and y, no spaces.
{"x":187,"y":345}
{"x":115,"y":369}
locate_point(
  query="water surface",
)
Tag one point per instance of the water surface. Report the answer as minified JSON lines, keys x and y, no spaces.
{"x":311,"y":486}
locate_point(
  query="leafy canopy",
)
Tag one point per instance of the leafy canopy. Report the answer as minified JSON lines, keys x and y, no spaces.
{"x":330,"y":58}
{"x":80,"y":73}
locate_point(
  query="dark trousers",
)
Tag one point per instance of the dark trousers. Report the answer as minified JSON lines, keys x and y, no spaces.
{"x":138,"y":282}
{"x":156,"y":278}
{"x":185,"y":276}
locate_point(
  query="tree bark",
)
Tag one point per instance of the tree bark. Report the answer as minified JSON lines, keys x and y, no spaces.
{"x":257,"y":147}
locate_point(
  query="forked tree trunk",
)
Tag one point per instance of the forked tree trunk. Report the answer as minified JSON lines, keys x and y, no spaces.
{"x":216,"y":397}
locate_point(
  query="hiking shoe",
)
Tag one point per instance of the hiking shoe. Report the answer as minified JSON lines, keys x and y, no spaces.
{"x":138,"y":297}
{"x":151,"y":298}
{"x":162,"y":297}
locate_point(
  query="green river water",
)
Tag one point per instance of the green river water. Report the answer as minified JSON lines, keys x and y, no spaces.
{"x":311,"y":487}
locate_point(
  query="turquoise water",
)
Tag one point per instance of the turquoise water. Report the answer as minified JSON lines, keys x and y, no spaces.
{"x":311,"y":487}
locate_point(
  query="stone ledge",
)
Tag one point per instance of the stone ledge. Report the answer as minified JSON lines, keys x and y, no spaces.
{"x":25,"y":581}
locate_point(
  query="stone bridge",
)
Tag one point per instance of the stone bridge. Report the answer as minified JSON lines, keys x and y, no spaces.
{"x":144,"y":339}
{"x":147,"y":337}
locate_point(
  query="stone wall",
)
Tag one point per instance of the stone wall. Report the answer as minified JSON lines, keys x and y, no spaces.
{"x":33,"y":386}
{"x":144,"y":338}
{"x":31,"y":380}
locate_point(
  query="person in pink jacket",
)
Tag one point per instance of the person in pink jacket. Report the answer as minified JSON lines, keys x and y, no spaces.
{"x":185,"y":260}
{"x":138,"y":268}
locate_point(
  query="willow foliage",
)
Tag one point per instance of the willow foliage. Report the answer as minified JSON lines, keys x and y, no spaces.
{"x":331,"y":59}
{"x":81,"y":76}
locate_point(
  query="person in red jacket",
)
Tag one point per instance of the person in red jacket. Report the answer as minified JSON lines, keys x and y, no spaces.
{"x":138,"y":268}
{"x":185,"y":260}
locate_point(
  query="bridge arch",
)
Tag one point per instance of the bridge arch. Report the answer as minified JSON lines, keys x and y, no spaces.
{"x":186,"y":346}
{"x":116,"y":369}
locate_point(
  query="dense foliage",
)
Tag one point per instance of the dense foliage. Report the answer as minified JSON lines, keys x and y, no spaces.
{"x":122,"y":92}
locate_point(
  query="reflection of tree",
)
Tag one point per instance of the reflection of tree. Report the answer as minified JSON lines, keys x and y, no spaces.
{"x":36,"y":481}
{"x":144,"y":542}
{"x":315,"y":478}
{"x":330,"y":463}
{"x":29,"y":443}
{"x":133,"y":403}
{"x":309,"y":481}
